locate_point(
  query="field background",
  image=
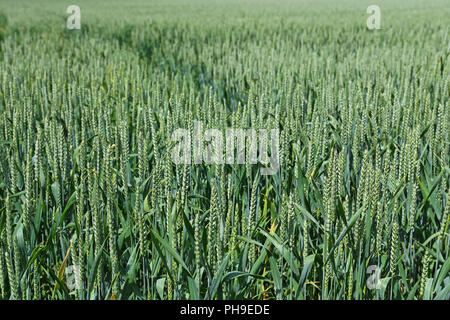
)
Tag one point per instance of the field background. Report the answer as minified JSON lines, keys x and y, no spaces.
{"x":91,"y":206}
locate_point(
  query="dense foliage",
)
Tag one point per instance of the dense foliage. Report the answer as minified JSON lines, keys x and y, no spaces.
{"x":92,"y":206}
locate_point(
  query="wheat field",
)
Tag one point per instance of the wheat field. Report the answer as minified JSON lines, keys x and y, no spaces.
{"x":92,"y":205}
